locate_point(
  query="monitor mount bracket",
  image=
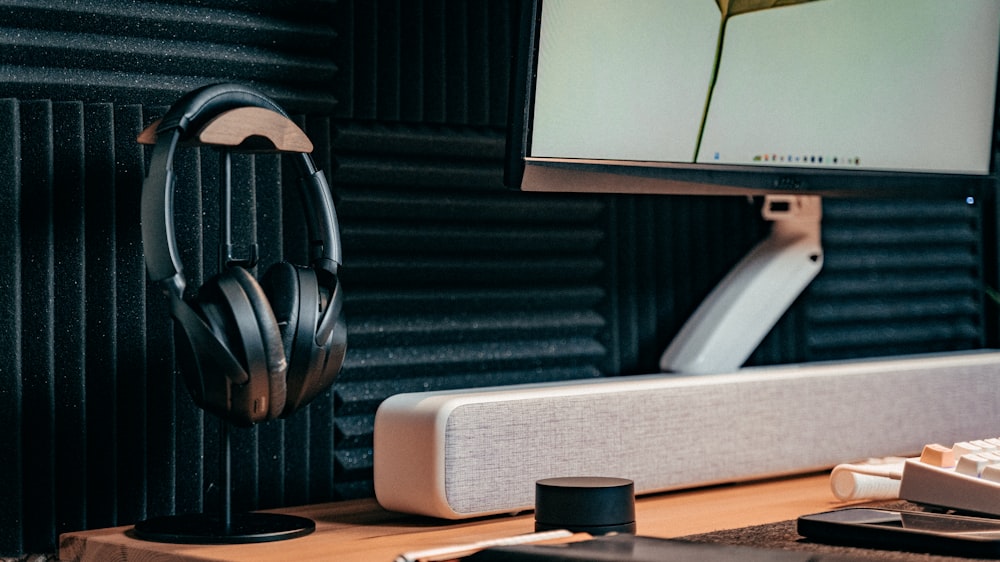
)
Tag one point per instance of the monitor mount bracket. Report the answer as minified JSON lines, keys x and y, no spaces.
{"x":732,"y":321}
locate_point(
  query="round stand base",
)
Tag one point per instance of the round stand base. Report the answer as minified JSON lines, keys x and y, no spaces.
{"x":200,"y":528}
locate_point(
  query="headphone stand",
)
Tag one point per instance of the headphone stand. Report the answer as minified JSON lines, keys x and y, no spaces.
{"x":224,"y":527}
{"x":231,"y":129}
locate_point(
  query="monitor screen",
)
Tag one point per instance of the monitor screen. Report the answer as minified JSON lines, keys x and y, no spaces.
{"x":717,"y":96}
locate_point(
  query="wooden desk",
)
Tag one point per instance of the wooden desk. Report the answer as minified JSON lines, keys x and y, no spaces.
{"x":361,"y":531}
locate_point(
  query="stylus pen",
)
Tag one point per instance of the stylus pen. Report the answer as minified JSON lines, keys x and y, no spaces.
{"x":457,"y":551}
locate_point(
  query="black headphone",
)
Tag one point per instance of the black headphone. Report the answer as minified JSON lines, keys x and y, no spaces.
{"x":248,"y":352}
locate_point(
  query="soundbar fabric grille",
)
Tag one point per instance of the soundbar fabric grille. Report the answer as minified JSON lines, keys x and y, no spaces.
{"x":476,"y":453}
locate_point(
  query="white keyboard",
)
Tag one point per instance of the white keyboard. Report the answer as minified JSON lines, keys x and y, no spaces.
{"x":965,"y":476}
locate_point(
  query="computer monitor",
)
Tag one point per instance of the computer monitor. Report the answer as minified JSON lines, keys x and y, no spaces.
{"x":791,"y":99}
{"x":827,"y":97}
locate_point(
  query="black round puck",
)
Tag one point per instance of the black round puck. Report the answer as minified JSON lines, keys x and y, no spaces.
{"x":585,"y":504}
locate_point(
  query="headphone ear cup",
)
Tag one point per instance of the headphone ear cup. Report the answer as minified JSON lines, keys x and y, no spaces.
{"x":299,"y":303}
{"x":295,"y":313}
{"x":221,"y":351}
{"x":204,"y":359}
{"x":336,"y":345}
{"x":275,"y":361}
{"x":281,"y":287}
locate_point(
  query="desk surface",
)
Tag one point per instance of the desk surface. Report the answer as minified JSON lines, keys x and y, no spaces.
{"x":361,"y":531}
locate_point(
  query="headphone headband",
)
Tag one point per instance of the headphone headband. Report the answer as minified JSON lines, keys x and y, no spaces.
{"x":195,"y":109}
{"x":186,"y":117}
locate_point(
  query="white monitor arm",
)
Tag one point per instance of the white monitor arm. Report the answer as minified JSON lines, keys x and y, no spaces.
{"x":747,"y":303}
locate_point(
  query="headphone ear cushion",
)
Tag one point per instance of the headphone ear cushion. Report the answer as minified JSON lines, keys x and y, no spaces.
{"x":274,"y":352}
{"x":295,"y":300}
{"x":281,"y":286}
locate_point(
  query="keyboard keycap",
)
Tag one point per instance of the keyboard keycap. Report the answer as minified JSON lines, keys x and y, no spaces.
{"x":984,"y":445}
{"x":965,"y":448}
{"x":991,"y":472}
{"x":971,"y":465}
{"x":937,"y":455}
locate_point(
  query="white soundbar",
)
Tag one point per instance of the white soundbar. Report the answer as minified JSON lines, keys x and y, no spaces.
{"x":469,"y":453}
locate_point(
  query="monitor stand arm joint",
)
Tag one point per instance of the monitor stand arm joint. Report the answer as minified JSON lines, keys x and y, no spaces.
{"x":732,"y":321}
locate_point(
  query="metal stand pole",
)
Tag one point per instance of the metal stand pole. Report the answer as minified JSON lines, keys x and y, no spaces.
{"x":225,"y":527}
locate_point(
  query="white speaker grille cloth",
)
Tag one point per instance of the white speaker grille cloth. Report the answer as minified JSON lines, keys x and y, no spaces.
{"x":705,"y":433}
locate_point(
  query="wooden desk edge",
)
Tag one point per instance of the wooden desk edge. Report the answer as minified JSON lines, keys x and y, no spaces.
{"x":361,"y":530}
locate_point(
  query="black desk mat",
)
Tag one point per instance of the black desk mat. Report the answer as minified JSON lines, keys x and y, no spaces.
{"x":784,"y":536}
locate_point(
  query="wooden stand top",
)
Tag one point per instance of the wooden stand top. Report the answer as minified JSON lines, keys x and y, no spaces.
{"x":361,"y":531}
{"x":235,"y":127}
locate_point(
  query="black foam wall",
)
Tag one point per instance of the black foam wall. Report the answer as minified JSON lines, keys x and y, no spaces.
{"x":450,"y":279}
